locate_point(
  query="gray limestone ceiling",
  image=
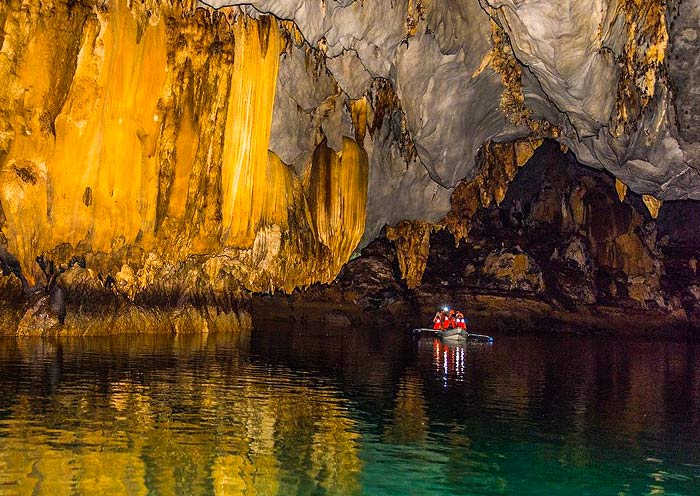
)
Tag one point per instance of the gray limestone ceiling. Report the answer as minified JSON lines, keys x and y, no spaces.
{"x":575,"y":59}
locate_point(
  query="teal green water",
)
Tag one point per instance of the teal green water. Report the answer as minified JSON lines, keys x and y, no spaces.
{"x":287,"y":411}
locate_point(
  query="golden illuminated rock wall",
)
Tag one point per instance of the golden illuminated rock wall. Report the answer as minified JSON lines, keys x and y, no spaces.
{"x":137,"y":135}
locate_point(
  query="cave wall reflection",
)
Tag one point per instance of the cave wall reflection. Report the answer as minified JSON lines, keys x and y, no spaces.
{"x":190,"y":415}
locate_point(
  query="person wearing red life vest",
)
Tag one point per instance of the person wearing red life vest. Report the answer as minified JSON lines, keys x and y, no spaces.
{"x":437,"y":320}
{"x":446,"y":320}
{"x":460,"y":321}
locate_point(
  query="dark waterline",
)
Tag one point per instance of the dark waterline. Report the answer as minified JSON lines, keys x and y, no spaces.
{"x":303,"y":411}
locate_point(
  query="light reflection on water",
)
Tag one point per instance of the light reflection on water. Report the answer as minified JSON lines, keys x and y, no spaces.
{"x":302,"y":412}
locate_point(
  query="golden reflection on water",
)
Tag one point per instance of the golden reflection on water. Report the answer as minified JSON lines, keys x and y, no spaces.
{"x":229,"y":431}
{"x":410,"y":419}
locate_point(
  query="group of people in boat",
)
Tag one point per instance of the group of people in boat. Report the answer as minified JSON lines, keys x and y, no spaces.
{"x":447,"y":318}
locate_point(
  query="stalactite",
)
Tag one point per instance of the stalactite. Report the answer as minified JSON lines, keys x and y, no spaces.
{"x":412,"y":242}
{"x":337,"y":194}
{"x":358,"y":110}
{"x":621,"y":189}
{"x":652,"y":204}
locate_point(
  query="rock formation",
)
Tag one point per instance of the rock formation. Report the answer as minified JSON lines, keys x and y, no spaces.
{"x":189,"y":150}
{"x":137,"y":136}
{"x":561,"y":246}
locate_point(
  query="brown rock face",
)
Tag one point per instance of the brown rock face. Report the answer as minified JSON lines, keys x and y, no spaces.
{"x":412,"y":241}
{"x":11,"y":303}
{"x":514,"y":271}
{"x":574,"y":268}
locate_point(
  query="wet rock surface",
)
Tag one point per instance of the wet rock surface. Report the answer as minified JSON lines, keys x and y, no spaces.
{"x":512,"y":271}
{"x":76,"y":301}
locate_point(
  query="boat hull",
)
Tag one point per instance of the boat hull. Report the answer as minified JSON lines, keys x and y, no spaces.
{"x":454,"y":335}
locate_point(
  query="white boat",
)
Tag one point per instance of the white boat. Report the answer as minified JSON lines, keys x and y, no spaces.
{"x":454,"y":335}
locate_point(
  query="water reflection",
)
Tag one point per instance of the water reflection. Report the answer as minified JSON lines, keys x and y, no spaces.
{"x":298,"y":411}
{"x":409,"y":419}
{"x":448,"y":357}
{"x":587,"y":412}
{"x":184,"y":416}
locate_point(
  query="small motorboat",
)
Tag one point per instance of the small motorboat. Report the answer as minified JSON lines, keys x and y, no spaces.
{"x":453,"y":335}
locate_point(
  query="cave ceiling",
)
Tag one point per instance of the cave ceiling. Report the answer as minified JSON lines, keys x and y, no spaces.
{"x":616,"y":78}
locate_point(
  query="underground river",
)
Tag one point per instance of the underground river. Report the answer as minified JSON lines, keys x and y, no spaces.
{"x":284,"y":410}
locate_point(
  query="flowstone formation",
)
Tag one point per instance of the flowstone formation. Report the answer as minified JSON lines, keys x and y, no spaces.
{"x":135,"y":139}
{"x":176,"y":153}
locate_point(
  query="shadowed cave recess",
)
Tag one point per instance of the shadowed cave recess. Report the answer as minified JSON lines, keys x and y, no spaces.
{"x":190,"y":166}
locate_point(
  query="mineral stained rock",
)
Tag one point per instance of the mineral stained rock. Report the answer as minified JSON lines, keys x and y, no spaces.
{"x":256,"y":145}
{"x":137,"y":135}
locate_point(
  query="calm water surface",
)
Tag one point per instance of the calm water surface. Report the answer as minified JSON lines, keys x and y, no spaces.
{"x":290,"y":411}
